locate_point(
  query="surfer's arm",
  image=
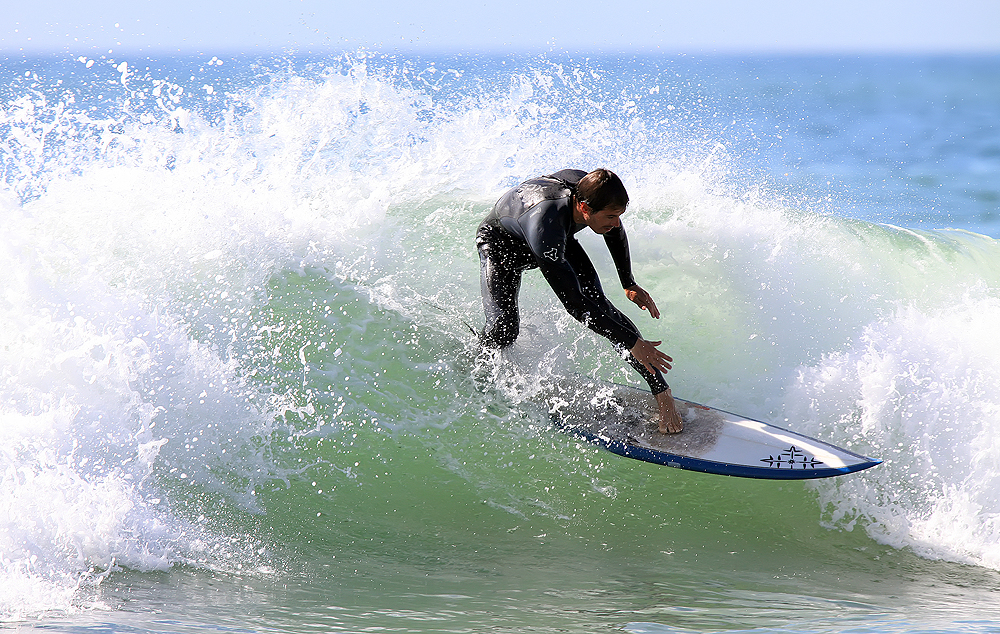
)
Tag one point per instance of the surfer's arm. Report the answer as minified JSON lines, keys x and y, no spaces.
{"x":617,"y":242}
{"x":547,"y":240}
{"x":564,"y":282}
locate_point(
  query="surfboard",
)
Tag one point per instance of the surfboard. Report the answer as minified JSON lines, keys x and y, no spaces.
{"x":624,"y":419}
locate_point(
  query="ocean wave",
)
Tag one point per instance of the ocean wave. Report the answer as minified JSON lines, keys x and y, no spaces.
{"x":213,"y":299}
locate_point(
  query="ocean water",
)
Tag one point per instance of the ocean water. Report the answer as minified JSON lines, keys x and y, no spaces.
{"x":238,"y":392}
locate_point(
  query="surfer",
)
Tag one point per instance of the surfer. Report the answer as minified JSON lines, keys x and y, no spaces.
{"x":533,"y":226}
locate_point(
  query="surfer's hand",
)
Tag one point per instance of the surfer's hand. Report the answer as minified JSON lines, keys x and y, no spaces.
{"x":645,"y":352}
{"x":642,"y":299}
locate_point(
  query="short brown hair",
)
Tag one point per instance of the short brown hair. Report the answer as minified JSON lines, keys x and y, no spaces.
{"x":600,"y":189}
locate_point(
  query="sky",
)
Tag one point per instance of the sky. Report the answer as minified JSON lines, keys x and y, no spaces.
{"x":691,"y":26}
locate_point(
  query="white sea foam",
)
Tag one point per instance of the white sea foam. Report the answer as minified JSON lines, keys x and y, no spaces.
{"x":100,"y":389}
{"x":917,"y":389}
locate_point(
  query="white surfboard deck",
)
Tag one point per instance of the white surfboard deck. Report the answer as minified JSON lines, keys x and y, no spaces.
{"x":624,"y":419}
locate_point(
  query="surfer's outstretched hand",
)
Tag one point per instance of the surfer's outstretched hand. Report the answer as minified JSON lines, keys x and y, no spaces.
{"x":645,"y":352}
{"x":642,"y":299}
{"x":670,"y":420}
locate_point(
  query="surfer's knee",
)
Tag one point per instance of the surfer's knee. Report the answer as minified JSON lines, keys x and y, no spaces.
{"x":502,"y":326}
{"x":499,"y":337}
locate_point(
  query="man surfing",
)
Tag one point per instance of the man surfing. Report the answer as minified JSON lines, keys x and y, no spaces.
{"x":533,"y":226}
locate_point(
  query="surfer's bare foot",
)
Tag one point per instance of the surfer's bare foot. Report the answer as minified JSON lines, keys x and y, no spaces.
{"x":670,"y":420}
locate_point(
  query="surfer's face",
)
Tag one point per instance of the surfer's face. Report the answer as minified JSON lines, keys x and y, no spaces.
{"x":604,"y":220}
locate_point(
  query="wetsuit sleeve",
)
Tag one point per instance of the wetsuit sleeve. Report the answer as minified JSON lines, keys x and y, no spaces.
{"x":617,"y":243}
{"x":546,"y":236}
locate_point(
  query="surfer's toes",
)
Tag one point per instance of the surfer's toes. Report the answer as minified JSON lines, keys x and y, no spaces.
{"x":665,"y":429}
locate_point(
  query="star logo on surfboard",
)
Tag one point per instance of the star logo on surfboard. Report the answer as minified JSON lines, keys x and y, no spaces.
{"x":552,"y":254}
{"x":792,"y":458}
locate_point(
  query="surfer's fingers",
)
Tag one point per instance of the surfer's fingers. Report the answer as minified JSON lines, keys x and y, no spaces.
{"x":646,"y":353}
{"x":656,"y":364}
{"x":664,"y":362}
{"x":650,"y":305}
{"x":660,"y":356}
{"x":642,"y":299}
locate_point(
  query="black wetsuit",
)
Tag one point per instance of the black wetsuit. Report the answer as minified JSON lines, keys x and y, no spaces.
{"x":532,"y":226}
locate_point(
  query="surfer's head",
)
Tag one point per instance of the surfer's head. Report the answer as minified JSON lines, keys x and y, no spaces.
{"x":600,"y":189}
{"x":600,"y":200}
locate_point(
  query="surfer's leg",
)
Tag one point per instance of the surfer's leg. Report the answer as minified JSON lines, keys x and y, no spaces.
{"x":669,"y":420}
{"x":590,"y":284}
{"x":500,"y":285}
